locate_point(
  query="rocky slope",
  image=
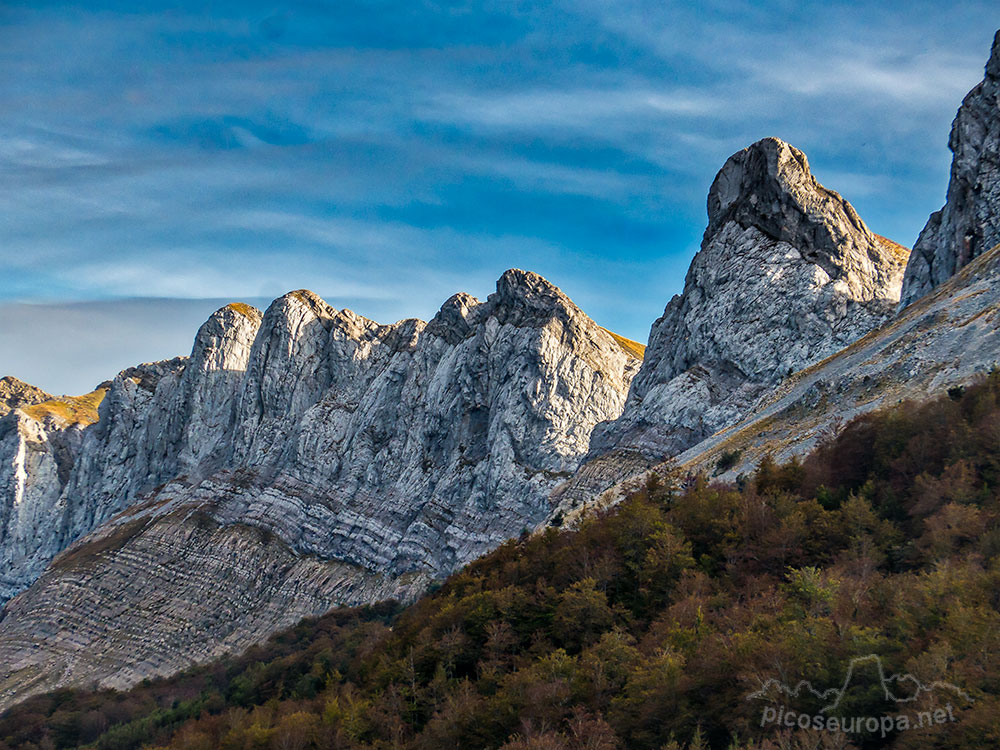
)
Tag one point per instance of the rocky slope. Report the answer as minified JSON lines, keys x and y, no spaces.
{"x":40,"y":438}
{"x":297,"y":460}
{"x":307,"y":456}
{"x":787,"y":274}
{"x":946,"y":339}
{"x":969,"y":222}
{"x":68,"y":464}
{"x":945,"y":334}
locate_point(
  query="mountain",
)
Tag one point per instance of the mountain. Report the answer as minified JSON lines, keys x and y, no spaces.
{"x":787,"y":275}
{"x":944,"y":340}
{"x":40,"y":435}
{"x":944,"y":335}
{"x":307,"y":457}
{"x":298,"y":459}
{"x":969,"y":223}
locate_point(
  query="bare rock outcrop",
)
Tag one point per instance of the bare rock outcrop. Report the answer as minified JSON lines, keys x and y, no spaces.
{"x":787,"y":274}
{"x":969,"y":223}
{"x":69,"y":464}
{"x":297,"y":460}
{"x":946,"y":339}
{"x":15,"y":393}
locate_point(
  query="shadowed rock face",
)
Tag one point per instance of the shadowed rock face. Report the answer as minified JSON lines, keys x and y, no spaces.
{"x":969,"y":223}
{"x":296,"y":460}
{"x":769,"y":187}
{"x":787,"y":274}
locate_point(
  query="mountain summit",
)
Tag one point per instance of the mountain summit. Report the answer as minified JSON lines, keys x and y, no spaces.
{"x":787,"y":274}
{"x":769,"y":187}
{"x":16,"y":393}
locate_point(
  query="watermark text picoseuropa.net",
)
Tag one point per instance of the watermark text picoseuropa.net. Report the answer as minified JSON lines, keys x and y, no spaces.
{"x":785,"y":709}
{"x":781,"y":716}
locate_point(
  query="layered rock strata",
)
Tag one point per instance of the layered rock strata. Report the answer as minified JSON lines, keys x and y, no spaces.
{"x":301,"y":459}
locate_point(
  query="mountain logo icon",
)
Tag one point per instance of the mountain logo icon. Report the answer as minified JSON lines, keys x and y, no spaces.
{"x":898,"y":688}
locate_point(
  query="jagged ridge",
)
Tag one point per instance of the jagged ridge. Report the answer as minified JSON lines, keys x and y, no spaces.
{"x":787,"y":274}
{"x":969,"y":222}
{"x":386,"y":454}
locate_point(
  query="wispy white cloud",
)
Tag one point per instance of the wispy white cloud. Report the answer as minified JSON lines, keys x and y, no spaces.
{"x":577,"y":109}
{"x":916,"y":81}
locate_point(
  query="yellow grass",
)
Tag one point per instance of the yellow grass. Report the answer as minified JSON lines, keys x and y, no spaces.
{"x":630,"y":347}
{"x":900,"y":251}
{"x":243,"y":309}
{"x":69,"y":409}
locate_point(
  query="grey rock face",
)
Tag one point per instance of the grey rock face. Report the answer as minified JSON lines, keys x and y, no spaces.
{"x":948,"y":337}
{"x":787,"y":274}
{"x":146,"y":597}
{"x":382,"y":455}
{"x":39,"y":441}
{"x":60,"y":478}
{"x":31,"y":475}
{"x":969,"y":223}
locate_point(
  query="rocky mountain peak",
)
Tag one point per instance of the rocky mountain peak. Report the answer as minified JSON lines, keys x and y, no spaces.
{"x":969,"y":223}
{"x":787,"y":274}
{"x":232,"y":326}
{"x":15,"y":393}
{"x":524,"y":298}
{"x":301,"y":458}
{"x":769,"y":186}
{"x":301,"y":304}
{"x":993,"y":65}
{"x":241,"y":308}
{"x":453,"y":321}
{"x":528,"y":289}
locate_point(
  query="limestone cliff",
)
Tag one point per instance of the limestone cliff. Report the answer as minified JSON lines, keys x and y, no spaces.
{"x":948,"y":338}
{"x":69,"y":464}
{"x":296,"y":460}
{"x":969,"y":223}
{"x":787,"y":274}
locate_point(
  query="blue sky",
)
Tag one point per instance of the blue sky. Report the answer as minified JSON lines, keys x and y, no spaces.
{"x":157,"y":159}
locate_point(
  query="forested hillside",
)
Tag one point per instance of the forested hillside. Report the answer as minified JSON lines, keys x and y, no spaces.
{"x":648,"y":626}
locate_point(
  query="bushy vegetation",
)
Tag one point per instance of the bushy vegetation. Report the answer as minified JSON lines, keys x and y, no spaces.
{"x":645,"y":628}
